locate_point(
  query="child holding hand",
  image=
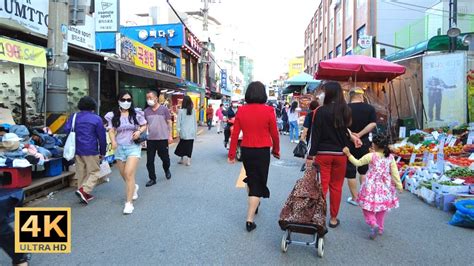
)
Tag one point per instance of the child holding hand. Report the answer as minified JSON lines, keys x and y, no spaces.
{"x":377,"y":194}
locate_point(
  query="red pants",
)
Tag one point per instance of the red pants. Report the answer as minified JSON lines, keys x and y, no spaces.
{"x":375,"y":218}
{"x":333,"y":170}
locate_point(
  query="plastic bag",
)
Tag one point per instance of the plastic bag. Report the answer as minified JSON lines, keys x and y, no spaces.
{"x":464,"y":215}
{"x":300,"y":150}
{"x":105,"y":169}
{"x":70,"y":146}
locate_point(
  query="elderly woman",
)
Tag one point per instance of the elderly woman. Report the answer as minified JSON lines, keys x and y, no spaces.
{"x":91,"y":145}
{"x":257,"y":121}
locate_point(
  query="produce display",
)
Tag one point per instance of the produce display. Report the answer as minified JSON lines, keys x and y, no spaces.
{"x":460,"y":172}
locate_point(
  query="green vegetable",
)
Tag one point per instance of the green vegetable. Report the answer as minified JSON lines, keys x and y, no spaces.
{"x":460,"y":172}
{"x":416,"y":138}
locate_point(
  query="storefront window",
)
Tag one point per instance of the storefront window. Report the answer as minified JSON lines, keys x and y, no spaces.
{"x":338,"y":50}
{"x":83,"y":79}
{"x":10,"y":93}
{"x":330,"y":55}
{"x":348,"y":44}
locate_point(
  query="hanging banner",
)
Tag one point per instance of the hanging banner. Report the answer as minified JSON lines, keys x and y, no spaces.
{"x":106,"y":15}
{"x":32,"y":15}
{"x":22,"y":53}
{"x":137,"y":53}
{"x":444,"y":89}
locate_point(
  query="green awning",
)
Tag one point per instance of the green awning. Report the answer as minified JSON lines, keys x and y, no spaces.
{"x":436,"y":43}
{"x":293,"y":89}
{"x":302,"y":79}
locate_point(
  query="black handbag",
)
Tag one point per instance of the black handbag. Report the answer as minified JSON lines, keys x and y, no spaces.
{"x":143,"y":137}
{"x":300,"y":150}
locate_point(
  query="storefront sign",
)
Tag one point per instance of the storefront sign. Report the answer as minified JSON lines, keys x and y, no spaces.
{"x":444,"y":89}
{"x":138,"y":54}
{"x":106,"y":15}
{"x":223,"y":79}
{"x":144,"y":34}
{"x":193,"y":43}
{"x":32,"y":15}
{"x":22,"y":53}
{"x":171,"y":35}
{"x":365,"y":42}
{"x":83,"y":36}
{"x":165,"y":63}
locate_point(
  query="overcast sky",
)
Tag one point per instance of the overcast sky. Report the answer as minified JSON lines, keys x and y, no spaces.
{"x":274,"y":28}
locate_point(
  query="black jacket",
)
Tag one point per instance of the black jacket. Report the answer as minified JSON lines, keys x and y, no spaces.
{"x":324,"y":136}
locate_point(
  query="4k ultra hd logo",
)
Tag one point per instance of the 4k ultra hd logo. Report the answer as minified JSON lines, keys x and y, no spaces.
{"x":43,"y":230}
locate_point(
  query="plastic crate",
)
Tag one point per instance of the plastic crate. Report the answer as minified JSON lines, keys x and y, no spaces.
{"x":53,"y":167}
{"x":15,"y":177}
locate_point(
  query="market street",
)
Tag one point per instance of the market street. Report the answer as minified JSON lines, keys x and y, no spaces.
{"x":198,"y":217}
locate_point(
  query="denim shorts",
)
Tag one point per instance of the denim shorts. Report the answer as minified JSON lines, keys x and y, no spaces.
{"x":124,"y":151}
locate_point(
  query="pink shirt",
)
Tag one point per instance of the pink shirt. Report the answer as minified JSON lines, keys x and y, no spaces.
{"x":220,"y":114}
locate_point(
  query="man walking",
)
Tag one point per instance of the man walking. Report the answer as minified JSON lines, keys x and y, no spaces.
{"x":363,"y":122}
{"x":209,"y":116}
{"x":160,"y":136}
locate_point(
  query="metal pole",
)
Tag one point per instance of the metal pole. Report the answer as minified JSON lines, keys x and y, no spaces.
{"x":23,"y":94}
{"x":57,"y":68}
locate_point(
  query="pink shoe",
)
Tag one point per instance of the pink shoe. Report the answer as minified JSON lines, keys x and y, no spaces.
{"x":380,"y":232}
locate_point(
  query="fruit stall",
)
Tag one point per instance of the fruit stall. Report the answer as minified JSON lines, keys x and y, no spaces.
{"x":437,"y":165}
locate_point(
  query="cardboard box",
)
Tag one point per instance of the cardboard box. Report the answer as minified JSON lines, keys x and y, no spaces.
{"x":443,"y":189}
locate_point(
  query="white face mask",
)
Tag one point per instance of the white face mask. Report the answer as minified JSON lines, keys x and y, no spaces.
{"x":151,"y":102}
{"x":125,"y":105}
{"x":321,"y":98}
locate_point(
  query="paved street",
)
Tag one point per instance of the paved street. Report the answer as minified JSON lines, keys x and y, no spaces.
{"x":198,"y":217}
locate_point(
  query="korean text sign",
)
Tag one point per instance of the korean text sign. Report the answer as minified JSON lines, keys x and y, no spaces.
{"x":138,"y":54}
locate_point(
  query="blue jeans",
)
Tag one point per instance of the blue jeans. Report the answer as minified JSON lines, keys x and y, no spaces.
{"x":7,"y":235}
{"x":294,"y":134}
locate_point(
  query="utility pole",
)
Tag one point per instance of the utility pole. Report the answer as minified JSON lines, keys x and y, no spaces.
{"x":204,"y":53}
{"x":453,"y":21}
{"x":57,"y":67}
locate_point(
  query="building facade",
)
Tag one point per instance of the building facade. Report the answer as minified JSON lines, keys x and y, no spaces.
{"x":295,"y":66}
{"x":246,"y":67}
{"x":435,"y":21}
{"x":367,"y":27}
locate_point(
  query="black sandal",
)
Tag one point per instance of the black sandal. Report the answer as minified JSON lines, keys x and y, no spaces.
{"x":334,"y":225}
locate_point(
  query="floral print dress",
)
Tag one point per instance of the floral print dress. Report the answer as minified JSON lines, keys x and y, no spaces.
{"x":378,"y":193}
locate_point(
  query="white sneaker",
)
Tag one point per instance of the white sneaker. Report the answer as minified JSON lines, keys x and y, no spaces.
{"x":128,"y":208}
{"x":135,"y":193}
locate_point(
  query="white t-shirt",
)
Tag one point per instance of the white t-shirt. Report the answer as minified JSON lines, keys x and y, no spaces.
{"x":293,"y":116}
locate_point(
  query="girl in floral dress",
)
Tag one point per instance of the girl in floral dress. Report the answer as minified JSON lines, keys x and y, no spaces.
{"x":377,"y":194}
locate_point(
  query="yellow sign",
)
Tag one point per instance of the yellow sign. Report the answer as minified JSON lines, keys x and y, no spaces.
{"x":138,"y":54}
{"x":43,"y":230}
{"x":22,"y":53}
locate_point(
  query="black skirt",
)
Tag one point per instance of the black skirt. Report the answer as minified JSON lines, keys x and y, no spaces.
{"x":256,"y":163}
{"x":184,"y":148}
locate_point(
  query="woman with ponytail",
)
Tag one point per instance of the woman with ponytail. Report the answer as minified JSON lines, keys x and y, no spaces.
{"x":377,"y":194}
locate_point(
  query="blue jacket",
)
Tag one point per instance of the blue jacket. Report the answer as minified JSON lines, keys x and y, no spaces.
{"x":90,"y":134}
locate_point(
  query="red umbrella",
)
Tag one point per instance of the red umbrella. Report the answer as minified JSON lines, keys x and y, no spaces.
{"x":359,"y":68}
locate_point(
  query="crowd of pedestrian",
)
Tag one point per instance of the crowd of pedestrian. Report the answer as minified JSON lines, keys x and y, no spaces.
{"x":339,"y":135}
